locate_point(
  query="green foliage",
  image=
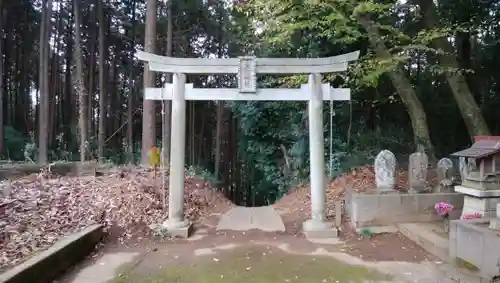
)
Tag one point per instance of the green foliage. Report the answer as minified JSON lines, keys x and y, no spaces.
{"x":16,"y":143}
{"x":202,"y":173}
{"x":366,"y":232}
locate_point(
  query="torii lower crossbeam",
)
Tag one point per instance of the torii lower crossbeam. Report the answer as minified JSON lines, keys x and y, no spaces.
{"x":267,"y":94}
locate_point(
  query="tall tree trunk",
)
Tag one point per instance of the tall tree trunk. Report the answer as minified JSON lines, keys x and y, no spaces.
{"x":218,"y":137}
{"x":167,"y":104}
{"x":1,"y":80}
{"x":220,"y":104}
{"x":102,"y":87}
{"x":148,"y":106}
{"x":406,"y":91}
{"x":91,"y":74}
{"x":79,"y":83}
{"x":130,"y":98}
{"x":471,"y":113}
{"x":68,"y":101}
{"x":43,"y":118}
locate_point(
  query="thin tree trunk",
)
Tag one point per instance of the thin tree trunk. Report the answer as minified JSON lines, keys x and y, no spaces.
{"x":91,"y":75}
{"x":471,"y":113}
{"x":1,"y":80}
{"x":43,"y":118}
{"x":219,"y":107}
{"x":68,"y":105}
{"x":102,"y":88}
{"x":406,"y":92}
{"x":218,"y":137}
{"x":130,"y":99}
{"x":79,"y":83}
{"x":167,"y":104}
{"x":148,"y":106}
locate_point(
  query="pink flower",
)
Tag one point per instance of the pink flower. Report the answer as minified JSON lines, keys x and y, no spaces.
{"x":475,"y":215}
{"x":443,"y":208}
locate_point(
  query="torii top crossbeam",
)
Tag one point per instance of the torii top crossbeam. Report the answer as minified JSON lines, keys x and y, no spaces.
{"x":260,"y":65}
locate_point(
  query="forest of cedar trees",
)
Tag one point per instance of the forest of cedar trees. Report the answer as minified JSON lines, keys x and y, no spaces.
{"x":427,"y":79}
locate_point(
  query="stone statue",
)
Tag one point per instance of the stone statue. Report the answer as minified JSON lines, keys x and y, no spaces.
{"x":463,"y":167}
{"x":385,"y":171}
{"x":417,"y":171}
{"x":445,"y":174}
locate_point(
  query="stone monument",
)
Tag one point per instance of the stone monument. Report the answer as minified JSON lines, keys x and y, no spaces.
{"x":385,"y":171}
{"x":417,"y":172}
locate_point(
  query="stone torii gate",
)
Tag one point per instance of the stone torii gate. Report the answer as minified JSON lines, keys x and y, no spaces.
{"x":246,"y":68}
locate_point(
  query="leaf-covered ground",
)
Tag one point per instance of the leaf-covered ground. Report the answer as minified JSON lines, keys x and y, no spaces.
{"x":37,"y":210}
{"x":360,"y":179}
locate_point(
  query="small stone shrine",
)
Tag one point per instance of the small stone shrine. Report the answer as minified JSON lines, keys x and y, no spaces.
{"x":480,"y":172}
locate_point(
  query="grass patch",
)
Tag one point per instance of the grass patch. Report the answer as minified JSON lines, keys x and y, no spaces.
{"x":465,"y":264}
{"x":257,"y":265}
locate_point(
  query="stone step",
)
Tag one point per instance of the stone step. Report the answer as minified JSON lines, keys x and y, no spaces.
{"x":430,"y":236}
{"x":241,"y":218}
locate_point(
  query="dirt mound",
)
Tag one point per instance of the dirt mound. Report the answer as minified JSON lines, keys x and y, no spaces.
{"x":361,"y":179}
{"x":35,"y":211}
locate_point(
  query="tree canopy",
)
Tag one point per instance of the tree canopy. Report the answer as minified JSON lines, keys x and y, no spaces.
{"x":70,"y":87}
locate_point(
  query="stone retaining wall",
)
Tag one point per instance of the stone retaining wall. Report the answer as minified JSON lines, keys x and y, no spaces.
{"x":51,"y":263}
{"x":366,"y":210}
{"x":476,"y":245}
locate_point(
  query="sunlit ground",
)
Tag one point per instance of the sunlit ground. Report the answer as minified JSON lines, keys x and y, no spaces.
{"x":258,"y":265}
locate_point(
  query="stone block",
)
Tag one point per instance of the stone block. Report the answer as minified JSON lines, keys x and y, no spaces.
{"x":487,"y":207}
{"x":473,"y":242}
{"x":51,"y":263}
{"x":181,"y":232}
{"x":389,"y":209}
{"x":175,"y":229}
{"x":495,"y":224}
{"x":424,"y":235}
{"x":482,"y":204}
{"x":314,"y":229}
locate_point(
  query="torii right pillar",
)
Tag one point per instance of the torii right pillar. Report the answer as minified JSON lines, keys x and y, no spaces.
{"x":317,"y":226}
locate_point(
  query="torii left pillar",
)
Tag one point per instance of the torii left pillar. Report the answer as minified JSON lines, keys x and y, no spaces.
{"x":177,"y":225}
{"x":317,"y":226}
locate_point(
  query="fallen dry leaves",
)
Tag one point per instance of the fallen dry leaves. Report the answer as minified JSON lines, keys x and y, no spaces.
{"x":35,"y":211}
{"x":360,"y":179}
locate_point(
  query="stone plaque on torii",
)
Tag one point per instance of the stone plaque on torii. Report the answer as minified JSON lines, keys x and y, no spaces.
{"x":247,"y":68}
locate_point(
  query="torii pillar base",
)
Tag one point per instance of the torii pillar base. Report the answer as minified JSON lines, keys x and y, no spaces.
{"x":316,"y":229}
{"x":176,"y":229}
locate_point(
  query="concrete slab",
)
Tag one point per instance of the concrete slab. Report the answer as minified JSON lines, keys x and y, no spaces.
{"x":427,"y":235}
{"x":104,"y":269}
{"x":240,"y":218}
